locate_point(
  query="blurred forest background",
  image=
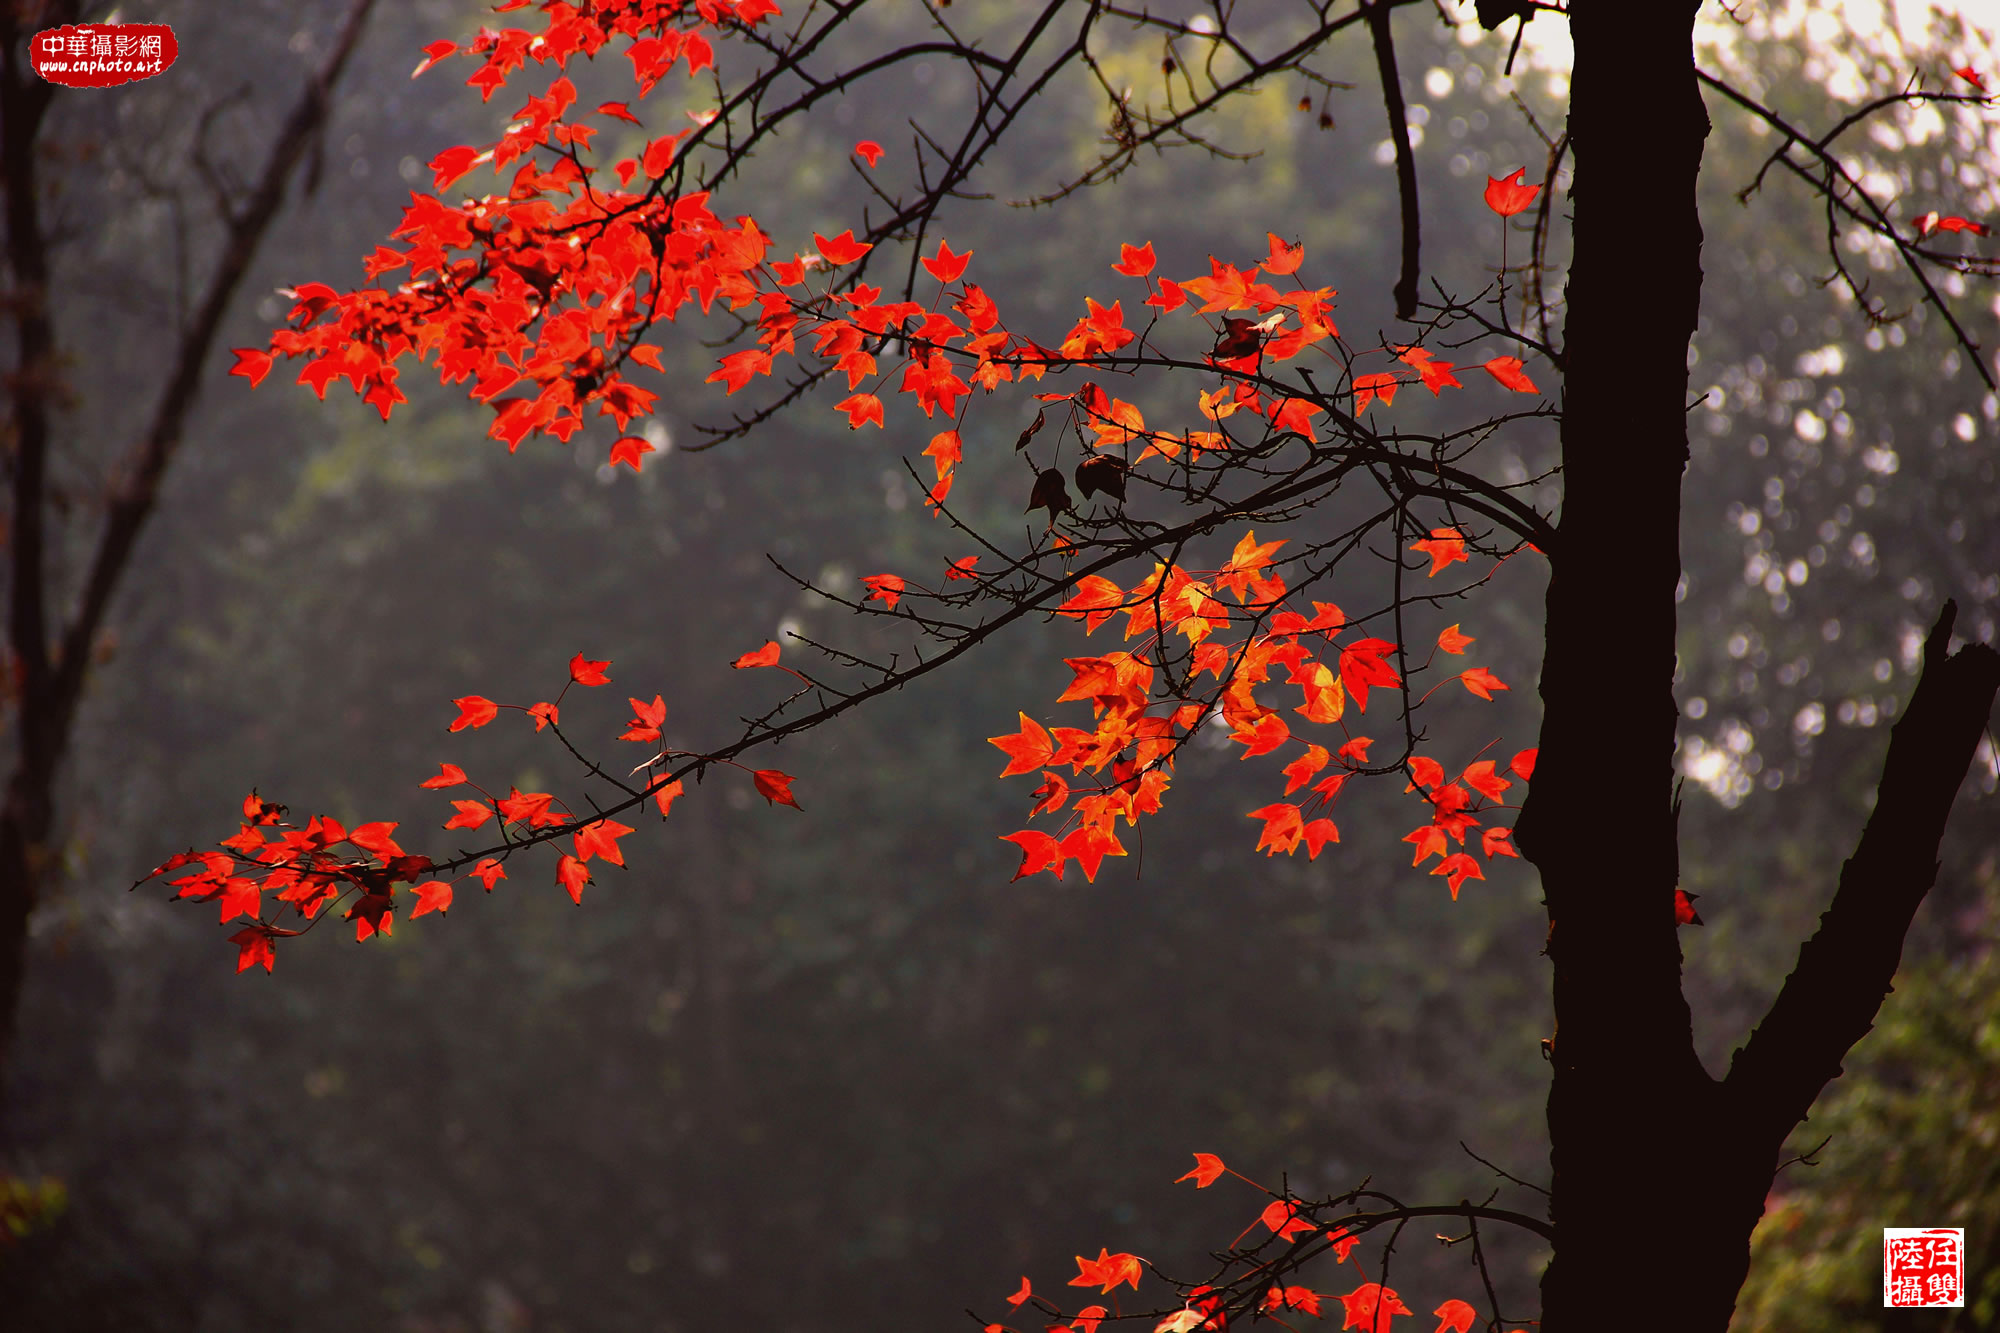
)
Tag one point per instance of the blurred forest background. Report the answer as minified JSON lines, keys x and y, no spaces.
{"x":831,"y":1070}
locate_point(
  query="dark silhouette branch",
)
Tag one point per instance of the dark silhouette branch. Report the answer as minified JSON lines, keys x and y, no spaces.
{"x":1406,"y":163}
{"x":1845,"y":970}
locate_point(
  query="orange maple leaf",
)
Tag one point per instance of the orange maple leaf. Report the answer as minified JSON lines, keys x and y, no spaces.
{"x":1430,"y":841}
{"x":1481,"y":681}
{"x":1284,"y":826}
{"x":945,"y":451}
{"x":449,"y":775}
{"x":1370,"y":387}
{"x":1451,"y":641}
{"x":1444,"y":546}
{"x":1494,"y":842}
{"x":1284,"y":258}
{"x":1482,"y":779}
{"x":763,"y":657}
{"x":1507,"y":369}
{"x":1027,"y":749}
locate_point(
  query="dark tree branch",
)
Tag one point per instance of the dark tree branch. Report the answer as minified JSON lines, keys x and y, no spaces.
{"x":1844,"y":971}
{"x":1406,"y":163}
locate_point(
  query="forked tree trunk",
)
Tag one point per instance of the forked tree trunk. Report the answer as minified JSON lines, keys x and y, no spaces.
{"x":1659,"y":1170}
{"x":48,"y":656}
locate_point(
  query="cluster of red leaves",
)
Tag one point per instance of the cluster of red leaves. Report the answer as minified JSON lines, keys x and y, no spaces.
{"x":540,"y":295}
{"x":1141,"y":721}
{"x":1205,"y":1309}
{"x":307,"y":868}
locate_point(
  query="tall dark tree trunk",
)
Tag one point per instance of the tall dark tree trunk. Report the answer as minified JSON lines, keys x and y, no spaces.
{"x":1659,"y":1169}
{"x":49,"y":663}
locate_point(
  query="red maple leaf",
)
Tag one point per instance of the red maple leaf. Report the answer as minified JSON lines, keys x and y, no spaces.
{"x":1039,"y":852}
{"x":885,"y":588}
{"x":432,"y":896}
{"x":1018,"y":1297}
{"x":1507,"y":195}
{"x":946,"y":267}
{"x":1134,"y":261}
{"x":647,"y":719}
{"x":868,"y":151}
{"x":253,"y":946}
{"x":1107,"y":1269}
{"x":842,"y":249}
{"x":1371,"y":1306}
{"x":449,"y":775}
{"x":629,"y":450}
{"x":1208,"y":1168}
{"x":1454,"y":1317}
{"x":572,"y":874}
{"x":1283,"y":1218}
{"x":763,"y":657}
{"x":861,"y":408}
{"x":487,"y":872}
{"x":1457,"y":868}
{"x":1524,"y":764}
{"x":474,"y":711}
{"x":1684,"y":913}
{"x":774,"y":787}
{"x":471,"y":814}
{"x":601,"y":839}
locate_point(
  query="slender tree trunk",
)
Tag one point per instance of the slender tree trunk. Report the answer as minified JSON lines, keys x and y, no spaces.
{"x":49,"y":664}
{"x":1659,"y":1170}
